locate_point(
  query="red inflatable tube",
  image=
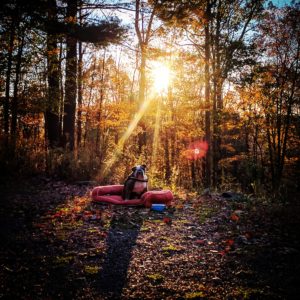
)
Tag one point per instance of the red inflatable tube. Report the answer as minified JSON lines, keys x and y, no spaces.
{"x":113,"y":194}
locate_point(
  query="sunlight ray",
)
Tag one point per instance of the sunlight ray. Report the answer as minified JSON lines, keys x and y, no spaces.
{"x":161,"y":78}
{"x":126,"y":135}
{"x":156,"y":131}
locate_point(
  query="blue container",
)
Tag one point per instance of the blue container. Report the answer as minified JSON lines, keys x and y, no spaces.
{"x":158,"y":207}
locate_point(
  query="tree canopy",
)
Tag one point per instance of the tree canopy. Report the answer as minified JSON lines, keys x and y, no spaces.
{"x":79,"y":94}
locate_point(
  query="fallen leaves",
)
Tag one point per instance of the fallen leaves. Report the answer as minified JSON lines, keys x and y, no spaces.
{"x":195,"y":295}
{"x":167,"y":220}
{"x":62,"y":260}
{"x":203,"y":248}
{"x":156,"y":278}
{"x":91,"y":269}
{"x":200,"y":242}
{"x":234,"y":217}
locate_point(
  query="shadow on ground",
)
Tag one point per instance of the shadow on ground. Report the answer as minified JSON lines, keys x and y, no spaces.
{"x":120,"y":242}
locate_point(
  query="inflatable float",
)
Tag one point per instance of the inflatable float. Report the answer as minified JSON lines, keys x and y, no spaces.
{"x":113,"y":194}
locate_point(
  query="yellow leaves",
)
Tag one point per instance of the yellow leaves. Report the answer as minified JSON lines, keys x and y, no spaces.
{"x":194,"y":295}
{"x":71,"y":20}
{"x":91,"y":269}
{"x":63,"y":260}
{"x":228,"y":148}
{"x":169,"y":248}
{"x":53,"y":52}
{"x":156,"y":277}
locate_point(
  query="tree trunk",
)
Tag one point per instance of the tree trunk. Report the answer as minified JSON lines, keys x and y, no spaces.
{"x":61,"y":89}
{"x":52,"y":110}
{"x":142,"y":136}
{"x":207,"y":97}
{"x":98,"y":121}
{"x":218,"y":101}
{"x":14,"y":103}
{"x":79,"y":111}
{"x":193,"y":174}
{"x":270,"y":148}
{"x":7,"y":82}
{"x":143,"y":38}
{"x":71,"y":83}
{"x":167,"y":159}
{"x":87,"y":115}
{"x":142,"y":82}
{"x":79,"y":83}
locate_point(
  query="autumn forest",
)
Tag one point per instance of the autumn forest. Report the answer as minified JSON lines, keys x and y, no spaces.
{"x":79,"y":93}
{"x":205,"y":93}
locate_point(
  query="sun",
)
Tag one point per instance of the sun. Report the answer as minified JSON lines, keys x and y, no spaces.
{"x":161,"y":77}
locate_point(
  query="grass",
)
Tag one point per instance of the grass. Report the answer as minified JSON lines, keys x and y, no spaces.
{"x":206,"y":213}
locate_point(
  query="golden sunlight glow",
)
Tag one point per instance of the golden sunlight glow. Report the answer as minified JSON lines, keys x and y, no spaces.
{"x":161,"y":77}
{"x":156,"y":132}
{"x":123,"y":139}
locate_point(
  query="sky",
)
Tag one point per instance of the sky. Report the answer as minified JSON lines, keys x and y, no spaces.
{"x":281,"y":3}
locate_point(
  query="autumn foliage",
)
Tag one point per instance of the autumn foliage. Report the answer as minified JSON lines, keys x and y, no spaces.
{"x":78,"y":98}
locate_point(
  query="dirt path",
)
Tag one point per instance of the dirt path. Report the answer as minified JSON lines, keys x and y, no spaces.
{"x":56,"y":244}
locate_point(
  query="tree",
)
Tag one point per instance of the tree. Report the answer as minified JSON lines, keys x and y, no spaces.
{"x":68,"y":138}
{"x":143,"y":33}
{"x":230,"y":53}
{"x":217,"y":29}
{"x":52,"y":108}
{"x":103,"y":33}
{"x":279,"y":81}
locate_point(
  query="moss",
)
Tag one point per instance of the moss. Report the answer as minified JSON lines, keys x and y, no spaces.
{"x":91,"y":269}
{"x":63,"y":260}
{"x":249,"y":293}
{"x":169,"y":248}
{"x":206,"y":213}
{"x":145,"y":229}
{"x":156,"y":278}
{"x":194,"y":295}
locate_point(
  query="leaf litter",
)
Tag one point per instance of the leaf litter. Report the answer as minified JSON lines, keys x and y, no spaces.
{"x":56,"y":244}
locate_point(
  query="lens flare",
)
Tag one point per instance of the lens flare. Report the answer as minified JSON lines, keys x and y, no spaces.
{"x":196,"y":150}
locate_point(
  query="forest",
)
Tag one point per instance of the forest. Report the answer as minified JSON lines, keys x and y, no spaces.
{"x":98,"y":85}
{"x":205,"y":93}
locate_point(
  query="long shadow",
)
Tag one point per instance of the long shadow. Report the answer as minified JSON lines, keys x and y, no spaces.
{"x":120,"y":241}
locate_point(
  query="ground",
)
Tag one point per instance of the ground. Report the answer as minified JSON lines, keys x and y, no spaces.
{"x":57,"y":244}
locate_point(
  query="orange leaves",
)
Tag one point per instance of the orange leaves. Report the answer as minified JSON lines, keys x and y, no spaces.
{"x":71,"y":215}
{"x":80,"y":201}
{"x":234,"y":217}
{"x":229,"y":246}
{"x":230,"y":242}
{"x":200,"y":242}
{"x":77,"y":209}
{"x":53,"y":52}
{"x":71,"y":20}
{"x":167,"y":220}
{"x":92,"y":215}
